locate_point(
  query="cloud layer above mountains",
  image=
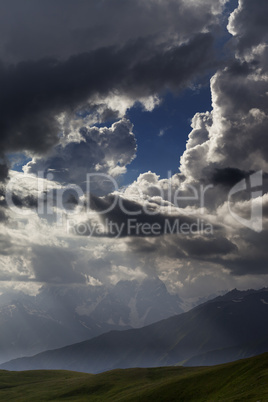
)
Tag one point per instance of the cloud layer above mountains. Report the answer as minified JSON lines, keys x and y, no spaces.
{"x":61,"y":88}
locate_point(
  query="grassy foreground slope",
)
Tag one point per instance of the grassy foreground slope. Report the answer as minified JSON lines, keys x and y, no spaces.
{"x":244,"y":380}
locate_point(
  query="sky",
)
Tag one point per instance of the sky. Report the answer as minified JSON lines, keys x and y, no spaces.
{"x":133,"y":144}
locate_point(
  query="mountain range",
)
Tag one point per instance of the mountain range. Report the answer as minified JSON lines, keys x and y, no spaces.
{"x":60,"y":315}
{"x":224,"y":329}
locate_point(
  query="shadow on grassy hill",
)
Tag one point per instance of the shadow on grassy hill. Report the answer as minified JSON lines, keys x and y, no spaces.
{"x":244,"y":380}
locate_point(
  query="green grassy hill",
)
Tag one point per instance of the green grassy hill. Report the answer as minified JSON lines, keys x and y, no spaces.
{"x":244,"y":380}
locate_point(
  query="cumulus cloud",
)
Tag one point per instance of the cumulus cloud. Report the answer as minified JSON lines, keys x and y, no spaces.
{"x":92,"y":53}
{"x":225,"y":147}
{"x":98,"y":150}
{"x":58,"y":101}
{"x":249,"y":26}
{"x":35,"y":93}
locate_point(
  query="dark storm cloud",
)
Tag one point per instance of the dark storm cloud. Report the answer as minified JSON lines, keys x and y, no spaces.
{"x":60,"y":28}
{"x":127,"y":218}
{"x":57,"y":55}
{"x":29,"y":201}
{"x":228,"y":177}
{"x":249,"y":24}
{"x":3,"y":172}
{"x":252,"y":258}
{"x":18,"y":200}
{"x":33,"y":93}
{"x":99,"y":150}
{"x":213,"y":248}
{"x":162,"y":48}
{"x":206,"y":247}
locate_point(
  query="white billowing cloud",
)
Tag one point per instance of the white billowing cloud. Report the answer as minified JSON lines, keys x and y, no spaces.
{"x":99,"y":110}
{"x":121,"y":103}
{"x":193,"y":280}
{"x":149,"y":186}
{"x":235,"y":133}
{"x":98,"y":150}
{"x":37,"y":248}
{"x":79,"y":60}
{"x":200,"y":124}
{"x":194,"y":159}
{"x":27,"y":185}
{"x":124,"y":273}
{"x":224,"y":146}
{"x":238,"y":133}
{"x":248,"y":24}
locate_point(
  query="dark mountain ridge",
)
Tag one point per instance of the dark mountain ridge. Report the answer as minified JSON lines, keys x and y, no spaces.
{"x":60,"y":315}
{"x":237,"y":321}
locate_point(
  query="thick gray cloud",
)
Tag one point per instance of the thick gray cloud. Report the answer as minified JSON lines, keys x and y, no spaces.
{"x":249,"y":24}
{"x":57,"y":55}
{"x":123,"y":217}
{"x":228,"y":177}
{"x":98,"y":150}
{"x":61,"y":28}
{"x":252,"y":258}
{"x":33,"y":94}
{"x":3,"y":172}
{"x":5,"y":244}
{"x":213,"y":248}
{"x":225,"y":147}
{"x":55,"y":265}
{"x":164,"y":51}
